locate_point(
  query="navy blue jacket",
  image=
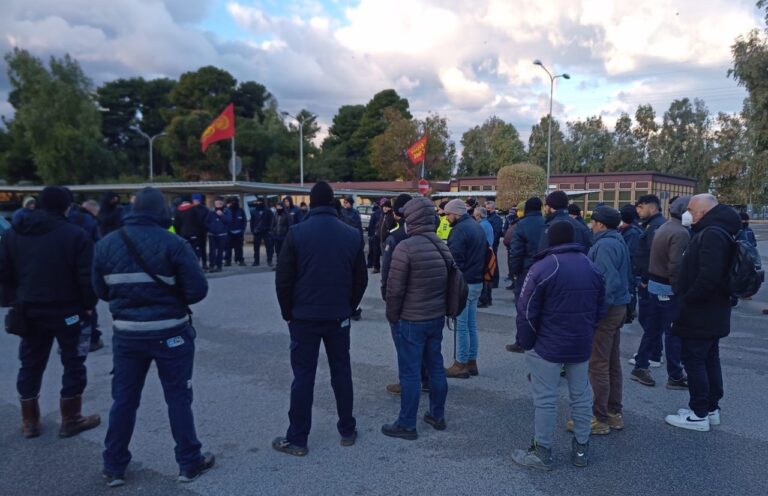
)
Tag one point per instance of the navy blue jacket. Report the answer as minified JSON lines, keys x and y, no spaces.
{"x":498,"y":232}
{"x":321,"y":273}
{"x":525,"y":242}
{"x":610,"y":255}
{"x":218,"y":225}
{"x":631,"y":234}
{"x":261,"y":220}
{"x":237,"y":221}
{"x":747,"y":235}
{"x":560,"y":304}
{"x":643,"y":254}
{"x":81,"y":217}
{"x":373,"y":223}
{"x":469,"y":248}
{"x":393,"y":239}
{"x":581,"y":233}
{"x":141,"y":308}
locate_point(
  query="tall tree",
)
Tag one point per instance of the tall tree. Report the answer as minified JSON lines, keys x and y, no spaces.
{"x":646,"y":134}
{"x":489,"y":147}
{"x":624,"y":154}
{"x":731,"y":159}
{"x":537,"y":146}
{"x":338,"y":157}
{"x":684,"y":144}
{"x":590,"y":143}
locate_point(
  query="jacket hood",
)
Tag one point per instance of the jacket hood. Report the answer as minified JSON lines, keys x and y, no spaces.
{"x":610,"y":233}
{"x":290,"y":200}
{"x":106,"y":200}
{"x":420,"y":215}
{"x":557,"y":249}
{"x":39,"y":222}
{"x":150,"y":205}
{"x":722,"y":216}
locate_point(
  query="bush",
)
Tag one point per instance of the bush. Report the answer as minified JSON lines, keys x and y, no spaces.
{"x":518,"y":182}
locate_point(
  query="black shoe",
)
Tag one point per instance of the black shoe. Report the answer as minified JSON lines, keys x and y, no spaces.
{"x":96,"y":345}
{"x":677,"y":384}
{"x":579,"y":453}
{"x":643,"y":376}
{"x":424,"y":387}
{"x":114,"y":480}
{"x":227,"y":264}
{"x":358,"y":314}
{"x":281,"y":444}
{"x":514,"y":348}
{"x":483,"y":305}
{"x":349,"y":440}
{"x":376,"y":271}
{"x":394,"y":430}
{"x":192,"y":474}
{"x":438,"y":424}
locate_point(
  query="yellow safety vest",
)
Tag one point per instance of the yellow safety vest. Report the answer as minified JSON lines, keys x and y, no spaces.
{"x":444,"y":229}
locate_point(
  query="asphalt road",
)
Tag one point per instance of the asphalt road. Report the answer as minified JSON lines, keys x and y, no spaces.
{"x":242,"y":381}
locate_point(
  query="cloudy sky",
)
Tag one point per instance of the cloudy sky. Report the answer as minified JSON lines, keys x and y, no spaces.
{"x":464,"y":59}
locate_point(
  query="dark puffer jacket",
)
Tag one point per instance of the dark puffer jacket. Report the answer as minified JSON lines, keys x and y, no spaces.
{"x":45,"y":263}
{"x":418,"y":274}
{"x":141,"y":308}
{"x":702,"y":286}
{"x":562,"y":300}
{"x":525,"y":242}
{"x":469,"y":248}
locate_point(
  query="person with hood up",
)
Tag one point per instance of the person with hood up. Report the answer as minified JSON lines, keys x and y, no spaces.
{"x":349,"y":214}
{"x":110,"y":213}
{"x":281,"y":223}
{"x":374,"y":243}
{"x":149,"y":277}
{"x":746,"y":233}
{"x":236,"y":234}
{"x":189,"y":223}
{"x":45,"y":273}
{"x":261,"y":228}
{"x":292,"y":210}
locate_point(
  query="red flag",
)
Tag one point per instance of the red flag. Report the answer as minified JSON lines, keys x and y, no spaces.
{"x":418,"y":150}
{"x":222,"y":127}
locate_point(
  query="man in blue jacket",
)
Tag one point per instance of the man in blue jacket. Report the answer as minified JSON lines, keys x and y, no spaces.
{"x":555,"y":209}
{"x":610,"y":255}
{"x":236,"y":234}
{"x":261,"y":228}
{"x":151,"y":323}
{"x":320,"y":280}
{"x":217,"y":223}
{"x":469,"y":248}
{"x":559,"y":307}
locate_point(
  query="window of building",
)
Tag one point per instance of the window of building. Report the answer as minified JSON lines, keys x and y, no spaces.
{"x":625,"y":196}
{"x":625,"y":185}
{"x":639,"y":193}
{"x":609,"y":196}
{"x":593,"y":186}
{"x":476,"y":188}
{"x":641,"y":185}
{"x":593,"y":197}
{"x":591,"y":206}
{"x":487,"y":187}
{"x":564,"y":186}
{"x":464,"y":188}
{"x":609,"y":185}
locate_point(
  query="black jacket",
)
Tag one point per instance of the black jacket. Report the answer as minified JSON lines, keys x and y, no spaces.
{"x":391,"y":241}
{"x":642,"y":256}
{"x":261,"y":219}
{"x":498,"y":232}
{"x":190,"y":220}
{"x":110,"y":214}
{"x":705,"y":302}
{"x":45,"y":263}
{"x":581,"y":233}
{"x":525,"y":242}
{"x":321,"y":273}
{"x":469,"y":248}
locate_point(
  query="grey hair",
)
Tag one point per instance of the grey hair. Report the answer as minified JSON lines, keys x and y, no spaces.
{"x":482,"y":211}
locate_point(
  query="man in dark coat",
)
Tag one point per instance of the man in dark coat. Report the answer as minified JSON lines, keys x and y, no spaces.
{"x":374,"y":243}
{"x":151,"y":324}
{"x":705,"y":309}
{"x":189,"y":223}
{"x":217,"y":224}
{"x":110,"y":213}
{"x":497,"y":224}
{"x":555,"y":209}
{"x":261,"y":228}
{"x":236,"y":234}
{"x":292,"y":210}
{"x":320,"y":280}
{"x":45,"y":273}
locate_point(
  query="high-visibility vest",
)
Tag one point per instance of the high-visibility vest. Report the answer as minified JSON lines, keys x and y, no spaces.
{"x":444,"y":228}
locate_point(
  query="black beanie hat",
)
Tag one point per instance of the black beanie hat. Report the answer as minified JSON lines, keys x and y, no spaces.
{"x":628,"y":213}
{"x":574,"y":209}
{"x":557,"y":200}
{"x":321,"y":195}
{"x":607,"y":215}
{"x":560,"y":233}
{"x":400,"y":202}
{"x":533,"y":205}
{"x":55,"y":199}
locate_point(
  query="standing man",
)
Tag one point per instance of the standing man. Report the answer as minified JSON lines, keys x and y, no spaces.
{"x":557,"y":312}
{"x":468,"y":246}
{"x":523,"y":248}
{"x":497,"y":223}
{"x":261,"y":228}
{"x":669,"y":243}
{"x":217,"y":224}
{"x":190,"y":224}
{"x":443,"y":226}
{"x":151,"y":324}
{"x":320,"y":280}
{"x":374,"y":243}
{"x":110,"y":213}
{"x":610,"y":255}
{"x":45,"y":273}
{"x":481,"y":217}
{"x":236,"y":234}
{"x":292,"y":210}
{"x":281,"y":222}
{"x":649,"y":210}
{"x":555,"y":209}
{"x":415,"y":309}
{"x":705,"y":309}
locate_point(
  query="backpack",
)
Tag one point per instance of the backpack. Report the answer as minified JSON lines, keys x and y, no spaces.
{"x":746,"y":274}
{"x":457,"y":291}
{"x":490,"y":265}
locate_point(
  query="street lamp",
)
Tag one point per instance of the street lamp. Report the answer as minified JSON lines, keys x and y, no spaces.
{"x":549,"y":119}
{"x":301,"y":141}
{"x":151,"y":142}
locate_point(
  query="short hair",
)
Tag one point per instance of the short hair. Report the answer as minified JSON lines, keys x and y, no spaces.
{"x":482,"y":211}
{"x":646,"y":199}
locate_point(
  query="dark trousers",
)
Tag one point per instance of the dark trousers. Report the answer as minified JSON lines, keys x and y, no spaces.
{"x":519,"y":280}
{"x":95,"y":331}
{"x":656,"y":316}
{"x":306,"y":337}
{"x":35,"y":348}
{"x":486,"y":297}
{"x":495,"y":280}
{"x":374,"y":252}
{"x":198,"y":244}
{"x":258,"y":238}
{"x":234,"y":243}
{"x":701,"y":358}
{"x":605,"y":364}
{"x":419,"y":346}
{"x":217,"y":244}
{"x":174,"y":359}
{"x":278,"y":242}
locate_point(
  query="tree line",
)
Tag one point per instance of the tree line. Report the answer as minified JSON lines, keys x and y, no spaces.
{"x":66,"y":130}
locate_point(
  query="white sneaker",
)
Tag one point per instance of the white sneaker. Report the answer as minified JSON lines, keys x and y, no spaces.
{"x":689,"y":421}
{"x":714,"y":417}
{"x":651,"y":363}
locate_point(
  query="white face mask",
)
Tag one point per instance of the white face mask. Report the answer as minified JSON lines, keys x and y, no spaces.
{"x":687,"y":219}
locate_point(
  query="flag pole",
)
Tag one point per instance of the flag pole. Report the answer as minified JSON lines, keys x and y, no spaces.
{"x":234,"y":161}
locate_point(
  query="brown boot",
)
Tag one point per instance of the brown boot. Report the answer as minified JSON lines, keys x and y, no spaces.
{"x":393,"y":388}
{"x":30,"y":418}
{"x":457,"y":371}
{"x":72,"y":422}
{"x":472,"y":367}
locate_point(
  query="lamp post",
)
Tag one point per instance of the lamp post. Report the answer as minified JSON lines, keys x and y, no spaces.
{"x":549,"y":118}
{"x":151,"y":140}
{"x":301,"y":142}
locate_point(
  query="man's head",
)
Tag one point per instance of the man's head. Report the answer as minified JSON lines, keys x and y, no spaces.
{"x":744,"y":219}
{"x":288,"y":202}
{"x":132,"y":199}
{"x":647,"y":206}
{"x":29,"y":203}
{"x":197,"y":199}
{"x":532,"y":205}
{"x":700,"y":205}
{"x":303,"y":206}
{"x":218,"y":204}
{"x":490,"y":206}
{"x":480,"y":213}
{"x":55,"y":199}
{"x":560,"y":233}
{"x":605,"y":218}
{"x":678,"y":206}
{"x":400,"y":202}
{"x":151,"y":202}
{"x":259,"y":203}
{"x":386,"y":206}
{"x":556,"y":200}
{"x":574,"y":210}
{"x":628,"y":214}
{"x":455,"y":209}
{"x":347,"y":202}
{"x":92,"y":206}
{"x":321,"y":195}
{"x":441,"y":207}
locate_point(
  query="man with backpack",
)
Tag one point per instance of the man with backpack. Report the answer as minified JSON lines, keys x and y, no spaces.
{"x":704,"y":292}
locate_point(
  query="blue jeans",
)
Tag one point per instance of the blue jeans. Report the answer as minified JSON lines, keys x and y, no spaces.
{"x":174,"y":359}
{"x":306,"y":337}
{"x":705,"y":378}
{"x":466,"y":327}
{"x":656,"y":316}
{"x":414,"y":341}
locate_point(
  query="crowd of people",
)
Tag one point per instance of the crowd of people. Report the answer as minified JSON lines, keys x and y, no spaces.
{"x":575,"y":285}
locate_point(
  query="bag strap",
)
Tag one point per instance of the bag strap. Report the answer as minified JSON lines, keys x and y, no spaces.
{"x":144,"y":267}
